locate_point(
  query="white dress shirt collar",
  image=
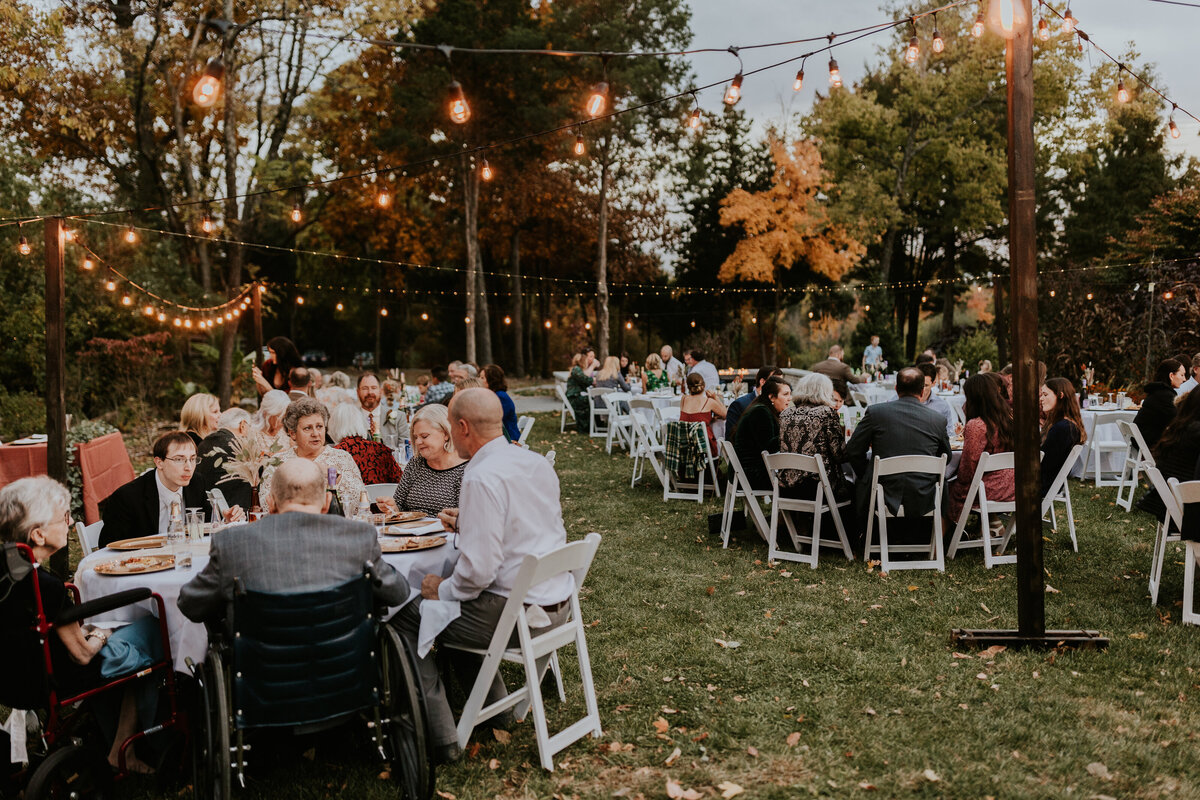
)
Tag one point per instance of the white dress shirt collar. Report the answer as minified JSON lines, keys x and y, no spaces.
{"x":165,"y":498}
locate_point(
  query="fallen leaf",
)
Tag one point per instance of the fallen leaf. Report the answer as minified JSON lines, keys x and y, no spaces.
{"x":1099,"y":770}
{"x":729,"y":789}
{"x":931,"y":776}
{"x":985,"y":608}
{"x":622,"y":792}
{"x":473,"y":750}
{"x":1051,"y":590}
{"x":385,"y":776}
{"x":912,"y":588}
{"x":993,"y":651}
{"x":711,"y":590}
{"x":960,"y":655}
{"x":982,"y":676}
{"x":661,"y":725}
{"x":871,"y":712}
{"x":866,"y":786}
{"x":793,"y":739}
{"x":752,"y":751}
{"x":677,"y":792}
{"x":494,"y":763}
{"x":1138,"y":635}
{"x":701,"y":737}
{"x":622,"y":708}
{"x":767,"y":614}
{"x":675,"y":754}
{"x":502,"y":736}
{"x":446,"y":795}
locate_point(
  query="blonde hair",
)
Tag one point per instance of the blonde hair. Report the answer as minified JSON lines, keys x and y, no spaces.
{"x":194,"y":416}
{"x":611,"y":369}
{"x":436,"y":415}
{"x":654,"y":362}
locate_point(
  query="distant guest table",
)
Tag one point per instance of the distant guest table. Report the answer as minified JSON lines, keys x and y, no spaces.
{"x":1110,"y":461}
{"x":190,"y":639}
{"x":21,"y":461}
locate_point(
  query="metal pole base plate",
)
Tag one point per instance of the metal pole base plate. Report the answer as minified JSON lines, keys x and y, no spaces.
{"x":1050,"y":640}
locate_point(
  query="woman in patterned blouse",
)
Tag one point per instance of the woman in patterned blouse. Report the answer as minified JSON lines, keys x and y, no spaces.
{"x":656,"y":375}
{"x":375,"y":460}
{"x":305,"y":422}
{"x":812,"y":427}
{"x":433,"y":477}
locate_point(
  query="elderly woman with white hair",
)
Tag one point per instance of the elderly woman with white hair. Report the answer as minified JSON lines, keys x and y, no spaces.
{"x":375,"y":460}
{"x":305,"y":421}
{"x":813,"y":427}
{"x":433,"y":478}
{"x":271,"y":409}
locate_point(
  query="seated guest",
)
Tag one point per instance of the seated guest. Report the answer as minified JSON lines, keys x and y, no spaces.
{"x":493,"y":376}
{"x":946,"y":370}
{"x":271,"y":409}
{"x":578,"y":382}
{"x":758,"y":430}
{"x":297,"y":548}
{"x":701,"y":405}
{"x":37,"y":512}
{"x":985,"y":366}
{"x":835,"y":368}
{"x":813,"y":427}
{"x":904,"y":427}
{"x":317,"y":380}
{"x":305,"y":422}
{"x":931,"y":400}
{"x":1176,"y":451}
{"x":988,"y":430}
{"x":628,"y":370}
{"x":375,"y":461}
{"x":199,"y":416}
{"x":142,"y":507}
{"x":675,"y":369}
{"x":656,"y":375}
{"x":1190,"y":383}
{"x":300,"y":379}
{"x":422,"y":386}
{"x":739,"y":406}
{"x":432,"y":477}
{"x":282,"y":356}
{"x":233,"y":427}
{"x":609,"y":377}
{"x":440,"y":386}
{"x":1158,"y":407}
{"x":510,"y":506}
{"x":1062,"y":430}
{"x":374,"y":414}
{"x":697,"y":364}
{"x":840,"y":393}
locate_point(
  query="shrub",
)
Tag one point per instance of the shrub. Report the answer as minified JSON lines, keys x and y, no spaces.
{"x":973,"y":348}
{"x":117,"y":371}
{"x":21,"y":414}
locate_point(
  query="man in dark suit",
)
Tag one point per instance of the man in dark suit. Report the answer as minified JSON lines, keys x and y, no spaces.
{"x":904,"y":427}
{"x":739,"y":406}
{"x":296,"y":548}
{"x":836,"y":368}
{"x":142,"y":507}
{"x":232,"y":426}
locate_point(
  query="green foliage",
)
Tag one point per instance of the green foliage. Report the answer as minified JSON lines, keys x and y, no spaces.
{"x":21,"y":414}
{"x":876,"y":322}
{"x":976,"y":346}
{"x":80,"y":433}
{"x":118,"y":372}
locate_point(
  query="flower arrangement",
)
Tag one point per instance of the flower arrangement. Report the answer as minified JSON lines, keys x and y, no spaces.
{"x":249,"y":457}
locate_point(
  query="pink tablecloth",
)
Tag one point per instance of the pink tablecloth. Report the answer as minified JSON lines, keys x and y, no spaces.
{"x":21,"y":461}
{"x":106,"y":467}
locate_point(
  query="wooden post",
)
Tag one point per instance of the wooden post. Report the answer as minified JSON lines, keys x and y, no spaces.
{"x":56,"y":371}
{"x":256,"y":323}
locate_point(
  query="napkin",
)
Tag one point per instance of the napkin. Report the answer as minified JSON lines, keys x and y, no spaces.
{"x":15,"y":727}
{"x":131,"y":648}
{"x":436,"y":615}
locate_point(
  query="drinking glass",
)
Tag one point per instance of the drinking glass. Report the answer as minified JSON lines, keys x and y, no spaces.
{"x":195,"y":524}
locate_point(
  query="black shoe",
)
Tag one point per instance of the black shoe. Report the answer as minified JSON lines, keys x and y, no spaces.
{"x":446,"y":753}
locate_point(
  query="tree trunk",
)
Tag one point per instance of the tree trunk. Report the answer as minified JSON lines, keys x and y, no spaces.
{"x":233,"y":215}
{"x":471,"y":231}
{"x":545,"y":314}
{"x":518,"y":305}
{"x":914,"y":324}
{"x":949,"y":270}
{"x":485,"y":318}
{"x":777,"y":322}
{"x":1001,"y":324}
{"x":602,"y":267}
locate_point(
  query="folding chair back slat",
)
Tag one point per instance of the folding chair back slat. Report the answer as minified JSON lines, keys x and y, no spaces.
{"x":1137,"y":457}
{"x":823,"y":501}
{"x":1097,"y":447}
{"x":1060,"y":492}
{"x":739,"y":487}
{"x":1165,"y":530}
{"x":977,"y":501}
{"x":878,"y":513}
{"x":566,"y":409}
{"x":1185,"y":495}
{"x":89,"y":535}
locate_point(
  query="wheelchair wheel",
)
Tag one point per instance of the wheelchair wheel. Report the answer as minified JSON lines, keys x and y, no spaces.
{"x":211,"y":776}
{"x":73,"y":771}
{"x":408,"y":734}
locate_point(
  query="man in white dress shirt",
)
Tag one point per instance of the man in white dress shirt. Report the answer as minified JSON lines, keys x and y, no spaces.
{"x":674,"y":368}
{"x":697,"y":365}
{"x":508,"y":508}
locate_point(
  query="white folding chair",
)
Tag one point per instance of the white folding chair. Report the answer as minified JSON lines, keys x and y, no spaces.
{"x":575,"y":558}
{"x":89,"y":536}
{"x":823,"y":501}
{"x":676,"y":488}
{"x":1060,"y":492}
{"x":859,"y":399}
{"x":1097,"y":447}
{"x":1186,"y":494}
{"x":643,"y":434}
{"x":667,"y":414}
{"x":566,"y":410}
{"x":739,"y":487}
{"x":524,"y":426}
{"x":597,"y":412}
{"x":1166,"y":530}
{"x":618,"y":422}
{"x":378,"y":490}
{"x":1137,"y":457}
{"x":550,"y":455}
{"x":961,"y":410}
{"x":977,"y":501}
{"x":878,"y":512}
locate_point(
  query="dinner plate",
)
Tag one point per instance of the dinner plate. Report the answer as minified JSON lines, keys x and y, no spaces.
{"x":411,"y":528}
{"x":411,"y":545}
{"x":140,"y":543}
{"x":406,"y":516}
{"x":138,"y":565}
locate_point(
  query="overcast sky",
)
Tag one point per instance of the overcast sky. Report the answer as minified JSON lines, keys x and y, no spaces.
{"x":1165,"y":35}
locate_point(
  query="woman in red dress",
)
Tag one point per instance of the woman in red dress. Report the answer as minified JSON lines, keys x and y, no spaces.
{"x":701,"y":404}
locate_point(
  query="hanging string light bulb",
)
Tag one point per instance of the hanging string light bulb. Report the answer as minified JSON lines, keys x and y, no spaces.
{"x":1122,"y":92}
{"x":1069,"y":22}
{"x":23,"y":246}
{"x":485,"y":171}
{"x":1043,"y":31}
{"x":734,"y":92}
{"x":383,"y":312}
{"x":126,"y":300}
{"x":88,"y":263}
{"x":110,"y":285}
{"x":460,"y":111}
{"x":598,"y":100}
{"x":913,"y":52}
{"x":1172,"y":128}
{"x":694,"y":119}
{"x":938,"y":44}
{"x":68,"y":235}
{"x":341,"y":307}
{"x":798,"y":83}
{"x":131,"y":236}
{"x":208,"y":89}
{"x":206,"y":224}
{"x":161,"y":316}
{"x":978,"y":27}
{"x":424,"y":317}
{"x":383,"y":198}
{"x":835,"y":74}
{"x":297,"y":214}
{"x":580,"y":148}
{"x":148,"y":311}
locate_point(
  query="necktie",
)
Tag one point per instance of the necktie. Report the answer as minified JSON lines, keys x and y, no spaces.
{"x":371,"y":422}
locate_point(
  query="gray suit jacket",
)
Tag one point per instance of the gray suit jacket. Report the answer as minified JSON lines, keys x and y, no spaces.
{"x":900,"y":428}
{"x":837,"y":369}
{"x":289,"y":552}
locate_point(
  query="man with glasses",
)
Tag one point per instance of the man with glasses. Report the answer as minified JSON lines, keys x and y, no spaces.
{"x":142,"y":507}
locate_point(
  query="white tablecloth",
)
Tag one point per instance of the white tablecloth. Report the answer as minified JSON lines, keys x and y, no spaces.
{"x":1109,"y":432}
{"x":189,"y":639}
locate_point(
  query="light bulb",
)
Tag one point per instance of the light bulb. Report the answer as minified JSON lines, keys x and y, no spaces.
{"x":913,"y":52}
{"x":754,"y":320}
{"x":1043,"y":30}
{"x":206,"y":224}
{"x":1122,"y":92}
{"x":341,"y":307}
{"x":111,"y":286}
{"x":131,"y":235}
{"x":299,"y":299}
{"x":460,"y":112}
{"x":866,"y":308}
{"x":1173,"y":128}
{"x":88,"y":264}
{"x":208,"y":88}
{"x":580,"y":147}
{"x":734,"y":92}
{"x":23,"y":246}
{"x":798,"y":84}
{"x":977,"y":28}
{"x":508,"y":320}
{"x":547,"y":323}
{"x":1089,"y":295}
{"x":628,"y":326}
{"x":126,"y":300}
{"x":1069,"y":22}
{"x":383,"y":199}
{"x":178,"y":322}
{"x":1052,"y":293}
{"x":424,"y":317}
{"x":598,"y":99}
{"x":68,"y":235}
{"x":485,"y":171}
{"x":938,"y":44}
{"x":1168,"y":295}
{"x":383,"y":312}
{"x":148,"y":311}
{"x":297,"y":215}
{"x":161,"y":317}
{"x":587,"y":326}
{"x":187,"y":323}
{"x":467,"y":320}
{"x":693,"y":323}
{"x":835,"y":74}
{"x":694,"y":119}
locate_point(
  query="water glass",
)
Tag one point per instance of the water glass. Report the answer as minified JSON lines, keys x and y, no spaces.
{"x":194,"y":531}
{"x":1120,"y":400}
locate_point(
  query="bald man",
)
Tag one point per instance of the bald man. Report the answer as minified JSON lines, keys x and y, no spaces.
{"x":508,"y":507}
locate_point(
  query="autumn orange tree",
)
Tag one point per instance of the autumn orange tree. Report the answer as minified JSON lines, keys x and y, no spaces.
{"x":791,"y":224}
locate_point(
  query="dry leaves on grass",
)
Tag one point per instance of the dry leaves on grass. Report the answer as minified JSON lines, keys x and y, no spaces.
{"x":661,"y":725}
{"x":992,"y":651}
{"x":502,"y":736}
{"x":729,"y":789}
{"x":729,"y":644}
{"x":675,"y":754}
{"x":1098,"y":770}
{"x":793,"y":739}
{"x":677,"y":792}
{"x":931,"y":776}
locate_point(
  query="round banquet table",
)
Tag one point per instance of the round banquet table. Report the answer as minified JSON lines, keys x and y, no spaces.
{"x":190,"y":639}
{"x":1110,"y":461}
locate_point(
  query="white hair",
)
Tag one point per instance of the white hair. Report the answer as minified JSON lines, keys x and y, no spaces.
{"x":231,"y":418}
{"x":273,"y":404}
{"x":339,"y":379}
{"x":31,"y":503}
{"x":814,"y":389}
{"x":346,"y":420}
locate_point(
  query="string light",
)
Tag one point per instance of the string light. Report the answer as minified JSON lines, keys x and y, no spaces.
{"x":460,"y":111}
{"x":1173,"y":128}
{"x":693,"y":323}
{"x":485,"y":171}
{"x":1069,"y":22}
{"x":299,"y":299}
{"x":23,"y":246}
{"x":580,"y":147}
{"x":1043,"y":31}
{"x":938,"y":44}
{"x":798,"y":84}
{"x":383,"y":199}
{"x":208,"y":89}
{"x":628,"y":326}
{"x":111,"y":285}
{"x":835,"y":74}
{"x":383,"y":312}
{"x":754,"y":319}
{"x":598,"y":100}
{"x":467,"y":320}
{"x":1052,"y":293}
{"x":340,"y":307}
{"x":126,"y":300}
{"x":206,"y":224}
{"x":694,"y":119}
{"x":978,"y":27}
{"x":178,"y":322}
{"x":161,"y":316}
{"x":547,"y":324}
{"x":88,"y":264}
{"x":734,"y":92}
{"x":1166,"y":295}
{"x":1122,"y":92}
{"x":131,"y":236}
{"x":297,"y":214}
{"x":913,"y":51}
{"x":187,"y":323}
{"x":508,"y":320}
{"x":424,"y":317}
{"x":1089,"y":295}
{"x":148,"y":311}
{"x":68,"y":235}
{"x":587,"y":326}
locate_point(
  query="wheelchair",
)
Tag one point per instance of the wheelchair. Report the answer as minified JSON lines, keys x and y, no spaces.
{"x":69,"y":756}
{"x":308,"y":661}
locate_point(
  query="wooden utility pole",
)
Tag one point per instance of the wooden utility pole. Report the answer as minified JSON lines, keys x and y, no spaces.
{"x":1022,"y":241}
{"x":56,"y":369}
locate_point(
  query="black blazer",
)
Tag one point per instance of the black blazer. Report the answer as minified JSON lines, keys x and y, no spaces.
{"x":131,"y":510}
{"x":903,"y":427}
{"x":758,"y":430}
{"x":208,"y":475}
{"x":1062,"y":436}
{"x":1156,"y":413}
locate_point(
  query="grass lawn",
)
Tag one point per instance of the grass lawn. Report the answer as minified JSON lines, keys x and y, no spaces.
{"x":844,"y":682}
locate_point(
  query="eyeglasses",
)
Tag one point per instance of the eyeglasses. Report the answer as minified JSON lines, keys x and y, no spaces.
{"x":181,"y":460}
